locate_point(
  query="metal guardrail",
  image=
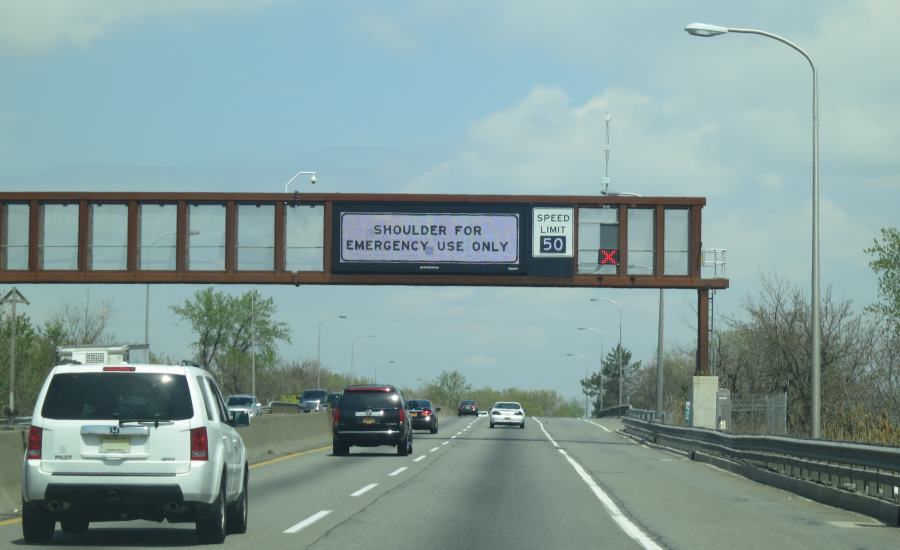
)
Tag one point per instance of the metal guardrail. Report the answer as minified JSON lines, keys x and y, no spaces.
{"x":865,"y":470}
{"x":619,"y":410}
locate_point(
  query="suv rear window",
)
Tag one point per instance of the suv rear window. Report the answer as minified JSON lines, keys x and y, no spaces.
{"x":418,"y":404}
{"x":314,"y":394}
{"x":118,"y":396}
{"x":374,"y":399}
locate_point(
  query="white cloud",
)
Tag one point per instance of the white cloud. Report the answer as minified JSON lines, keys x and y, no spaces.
{"x":38,"y":26}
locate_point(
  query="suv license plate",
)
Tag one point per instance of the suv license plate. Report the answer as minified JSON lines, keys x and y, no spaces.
{"x":115,"y":444}
{"x":368,"y":420}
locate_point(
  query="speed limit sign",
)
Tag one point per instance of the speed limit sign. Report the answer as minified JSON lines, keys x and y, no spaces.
{"x":552,"y":230}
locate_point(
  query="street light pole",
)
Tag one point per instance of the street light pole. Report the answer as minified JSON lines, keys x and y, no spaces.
{"x":387,"y":362}
{"x":659,"y":347}
{"x":352,"y":350}
{"x":705,"y":30}
{"x":585,"y":376}
{"x":319,"y":345}
{"x":12,"y":298}
{"x":619,"y":352}
{"x":592,"y":329}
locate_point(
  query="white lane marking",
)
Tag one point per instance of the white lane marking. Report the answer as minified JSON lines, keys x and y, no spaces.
{"x":445,"y":442}
{"x":541,"y":424}
{"x":307,"y":522}
{"x":433,"y":450}
{"x":454,"y":437}
{"x":459,"y":432}
{"x":397,"y":471}
{"x":599,"y":426}
{"x":419,"y":459}
{"x":365,"y":489}
{"x":629,"y":527}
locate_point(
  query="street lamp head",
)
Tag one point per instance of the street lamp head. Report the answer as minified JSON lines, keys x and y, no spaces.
{"x":342,"y":316}
{"x":312,"y":178}
{"x":704,"y":29}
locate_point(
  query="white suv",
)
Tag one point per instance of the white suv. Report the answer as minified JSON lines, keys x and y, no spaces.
{"x":125,"y":442}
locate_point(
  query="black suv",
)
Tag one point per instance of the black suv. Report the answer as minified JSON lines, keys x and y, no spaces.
{"x":368,"y":416}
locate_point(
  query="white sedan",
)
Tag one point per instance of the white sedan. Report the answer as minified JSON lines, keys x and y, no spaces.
{"x":507,"y":412}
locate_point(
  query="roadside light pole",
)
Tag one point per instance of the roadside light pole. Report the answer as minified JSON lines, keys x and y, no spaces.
{"x":620,"y":350}
{"x":386,"y":362}
{"x":592,"y":329}
{"x":319,"y":345}
{"x":12,"y":298}
{"x":659,"y":347}
{"x":147,"y":291}
{"x":352,"y":350}
{"x":585,"y":376}
{"x":706,"y":30}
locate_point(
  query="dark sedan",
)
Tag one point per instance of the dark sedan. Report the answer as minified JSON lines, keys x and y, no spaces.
{"x":467,"y":406}
{"x":423,"y":415}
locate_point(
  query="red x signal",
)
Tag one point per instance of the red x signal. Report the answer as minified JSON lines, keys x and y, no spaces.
{"x":609,"y":256}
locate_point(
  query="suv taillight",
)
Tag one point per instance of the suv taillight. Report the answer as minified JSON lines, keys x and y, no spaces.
{"x":336,"y":417}
{"x":199,"y":444}
{"x":35,"y":437}
{"x":426,"y":412}
{"x":402,"y":414}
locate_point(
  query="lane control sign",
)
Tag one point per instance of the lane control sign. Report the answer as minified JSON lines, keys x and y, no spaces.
{"x":553,"y":232}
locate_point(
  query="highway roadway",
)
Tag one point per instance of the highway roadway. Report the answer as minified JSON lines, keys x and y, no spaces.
{"x":559,"y":483}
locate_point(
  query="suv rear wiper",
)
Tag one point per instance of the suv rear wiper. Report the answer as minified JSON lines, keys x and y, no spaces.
{"x":154,"y":421}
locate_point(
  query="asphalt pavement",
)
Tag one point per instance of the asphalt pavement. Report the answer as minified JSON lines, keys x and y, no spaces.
{"x":559,"y":483}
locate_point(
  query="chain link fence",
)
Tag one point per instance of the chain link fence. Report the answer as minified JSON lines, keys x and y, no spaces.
{"x":754,"y":414}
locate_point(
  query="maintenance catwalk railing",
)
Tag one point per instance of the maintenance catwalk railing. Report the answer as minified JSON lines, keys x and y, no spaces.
{"x":863,"y":478}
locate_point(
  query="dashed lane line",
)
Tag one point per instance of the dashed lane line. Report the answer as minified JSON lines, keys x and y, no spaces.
{"x":307,"y":522}
{"x":433,"y":450}
{"x":398,"y":471}
{"x":364,"y":490}
{"x":421,"y":458}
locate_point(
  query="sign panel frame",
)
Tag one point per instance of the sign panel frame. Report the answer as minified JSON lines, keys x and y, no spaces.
{"x":434,"y":217}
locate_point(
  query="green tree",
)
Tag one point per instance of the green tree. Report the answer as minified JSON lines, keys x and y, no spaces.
{"x":449,"y":388}
{"x":886,"y":264}
{"x":608,"y":378}
{"x":225,"y":326}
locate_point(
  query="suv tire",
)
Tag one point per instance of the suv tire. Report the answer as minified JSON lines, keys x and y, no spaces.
{"x":434,"y":429}
{"x":340,"y":449}
{"x":74,"y":525}
{"x":37,"y":524}
{"x":236,"y":522}
{"x":211,"y":529}
{"x":404,"y":448}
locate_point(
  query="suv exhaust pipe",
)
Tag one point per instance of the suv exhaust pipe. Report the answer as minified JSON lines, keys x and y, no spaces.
{"x":57,"y":506}
{"x":172,"y":507}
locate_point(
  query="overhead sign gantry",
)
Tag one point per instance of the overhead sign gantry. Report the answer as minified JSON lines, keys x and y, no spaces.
{"x":357,"y":239}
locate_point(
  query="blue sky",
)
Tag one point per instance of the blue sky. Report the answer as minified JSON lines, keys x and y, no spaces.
{"x":466,"y":97}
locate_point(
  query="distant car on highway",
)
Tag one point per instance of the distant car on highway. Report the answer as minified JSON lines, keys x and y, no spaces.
{"x":423,"y":415}
{"x":244,"y":402}
{"x":507,"y":412}
{"x":313,"y":400}
{"x":369,"y":416}
{"x":467,"y":406}
{"x":332,"y":399}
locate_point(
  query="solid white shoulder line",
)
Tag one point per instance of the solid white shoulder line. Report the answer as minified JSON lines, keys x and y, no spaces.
{"x":629,"y":527}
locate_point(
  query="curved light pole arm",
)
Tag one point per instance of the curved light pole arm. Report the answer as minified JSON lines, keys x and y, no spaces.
{"x":815,"y":377}
{"x":703,"y":29}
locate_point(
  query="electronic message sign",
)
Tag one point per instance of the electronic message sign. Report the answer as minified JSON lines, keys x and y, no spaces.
{"x":443,"y":238}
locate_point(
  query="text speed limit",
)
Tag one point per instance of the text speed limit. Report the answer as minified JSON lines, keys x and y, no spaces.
{"x":552,"y":230}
